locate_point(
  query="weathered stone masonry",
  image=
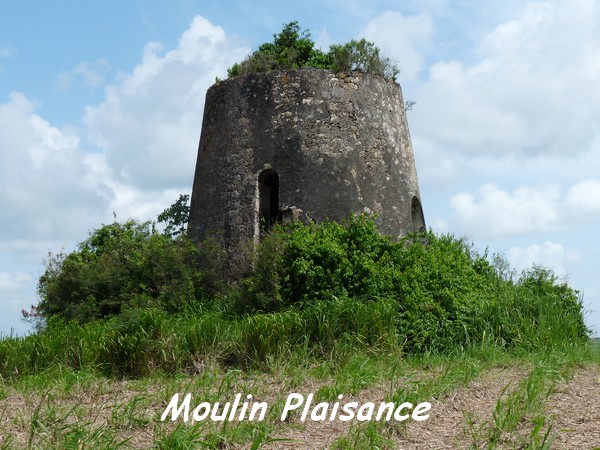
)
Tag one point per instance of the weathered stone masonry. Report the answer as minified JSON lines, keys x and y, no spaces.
{"x":307,"y":143}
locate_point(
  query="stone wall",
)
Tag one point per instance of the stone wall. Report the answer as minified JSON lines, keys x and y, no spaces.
{"x":306,"y":143}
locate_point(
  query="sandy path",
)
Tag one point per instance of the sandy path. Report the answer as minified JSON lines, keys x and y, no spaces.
{"x":574,"y":412}
{"x":575,"y":408}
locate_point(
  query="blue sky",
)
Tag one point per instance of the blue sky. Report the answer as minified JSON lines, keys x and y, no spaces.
{"x":101,"y":105}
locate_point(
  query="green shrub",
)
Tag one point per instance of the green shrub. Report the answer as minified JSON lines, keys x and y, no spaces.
{"x":442,"y":287}
{"x":446,"y":294}
{"x":120,"y":265}
{"x":537,"y":311}
{"x":314,"y":290}
{"x":361,"y":56}
{"x":292,"y":48}
{"x":300,"y":264}
{"x":336,"y":260}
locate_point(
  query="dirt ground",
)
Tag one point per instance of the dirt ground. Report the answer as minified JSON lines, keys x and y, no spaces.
{"x":455,"y":422}
{"x":573,"y":411}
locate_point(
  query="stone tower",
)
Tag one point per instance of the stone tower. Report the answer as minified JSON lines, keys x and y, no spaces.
{"x":305,"y":143}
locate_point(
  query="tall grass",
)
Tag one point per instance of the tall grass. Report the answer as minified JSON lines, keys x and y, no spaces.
{"x":152,"y":341}
{"x":314,"y":290}
{"x":144,"y":341}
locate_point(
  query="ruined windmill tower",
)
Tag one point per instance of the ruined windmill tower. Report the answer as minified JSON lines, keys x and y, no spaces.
{"x":278,"y":142}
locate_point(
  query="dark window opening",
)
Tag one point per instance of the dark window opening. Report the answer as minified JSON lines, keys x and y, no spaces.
{"x":269,"y":214}
{"x":418,"y":219}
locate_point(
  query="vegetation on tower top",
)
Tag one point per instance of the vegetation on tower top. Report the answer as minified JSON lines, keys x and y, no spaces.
{"x":293,"y":48}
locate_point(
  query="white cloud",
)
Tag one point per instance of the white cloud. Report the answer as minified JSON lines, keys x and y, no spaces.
{"x":92,"y":74}
{"x":583,"y":198}
{"x":436,"y":168}
{"x":548,"y":254}
{"x":6,"y":52}
{"x":148,"y":125}
{"x":43,"y":190}
{"x":498,"y":212}
{"x":564,"y":169}
{"x":528,"y":209}
{"x":11,"y":281}
{"x":324,"y":40}
{"x":531,"y":89}
{"x":402,"y":38}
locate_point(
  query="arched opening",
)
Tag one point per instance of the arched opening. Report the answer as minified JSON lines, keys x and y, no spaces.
{"x":418,"y":219}
{"x":268,"y":191}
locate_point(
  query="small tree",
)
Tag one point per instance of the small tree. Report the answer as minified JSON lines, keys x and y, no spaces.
{"x":292,"y":48}
{"x":120,"y":265}
{"x":176,"y":216}
{"x":363,"y":56}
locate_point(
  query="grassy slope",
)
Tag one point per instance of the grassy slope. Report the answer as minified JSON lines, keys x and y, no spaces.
{"x":66,"y":409}
{"x":329,"y":309}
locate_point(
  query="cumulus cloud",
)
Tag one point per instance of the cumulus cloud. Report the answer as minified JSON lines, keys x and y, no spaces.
{"x":495,"y":211}
{"x":583,"y":198}
{"x":403,"y":39}
{"x":148,"y":125}
{"x":530,"y":89}
{"x":92,"y":74}
{"x":45,"y":177}
{"x":548,"y":254}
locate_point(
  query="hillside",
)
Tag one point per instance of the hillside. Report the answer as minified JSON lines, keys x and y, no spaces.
{"x":338,"y":337}
{"x":478,"y":401}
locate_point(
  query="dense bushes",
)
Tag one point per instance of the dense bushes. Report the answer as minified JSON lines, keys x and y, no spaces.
{"x":301,"y":264}
{"x":292,"y":48}
{"x":313,"y":290}
{"x":446,"y":294}
{"x":363,"y":56}
{"x":305,"y":263}
{"x":120,"y":265}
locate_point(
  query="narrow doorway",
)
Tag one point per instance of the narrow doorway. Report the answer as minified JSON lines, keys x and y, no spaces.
{"x":268,"y":189}
{"x":418,"y":219}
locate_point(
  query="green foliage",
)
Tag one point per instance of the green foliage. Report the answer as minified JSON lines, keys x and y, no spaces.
{"x":313,"y":290}
{"x":441,"y":291}
{"x":300,"y":264}
{"x":176,"y":216}
{"x":536,"y":311}
{"x":446,"y":295}
{"x":361,"y":56}
{"x":120,"y":265}
{"x":292,"y":48}
{"x":335,"y":260}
